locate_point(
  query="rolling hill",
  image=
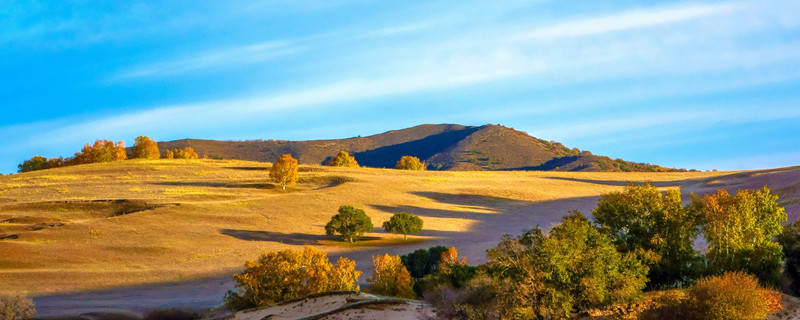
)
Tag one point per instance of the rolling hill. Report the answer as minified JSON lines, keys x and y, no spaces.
{"x":442,"y":147}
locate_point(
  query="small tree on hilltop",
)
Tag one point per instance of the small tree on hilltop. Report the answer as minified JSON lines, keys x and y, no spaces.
{"x":145,"y":148}
{"x":284,"y":171}
{"x":403,"y":223}
{"x":390,"y":277}
{"x":350,"y":223}
{"x":410,"y":163}
{"x":289,"y":274}
{"x":343,"y":159}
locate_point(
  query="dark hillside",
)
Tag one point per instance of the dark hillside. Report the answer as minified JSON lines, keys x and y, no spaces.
{"x":442,"y":146}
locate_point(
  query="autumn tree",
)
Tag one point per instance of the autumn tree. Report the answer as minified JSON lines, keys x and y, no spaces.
{"x":16,"y":307}
{"x":574,"y":267}
{"x":101,"y":151}
{"x":740,"y":230}
{"x":343,"y":159}
{"x":290,"y":274}
{"x":168,"y":154}
{"x":145,"y":148}
{"x":643,"y":219}
{"x":450,"y":260}
{"x":284,"y":171}
{"x":185,"y":153}
{"x":403,"y":223}
{"x":35,"y":163}
{"x":390,"y":277}
{"x":350,"y":223}
{"x":410,"y":163}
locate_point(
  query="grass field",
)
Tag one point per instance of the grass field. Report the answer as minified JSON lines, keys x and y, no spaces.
{"x":135,"y":222}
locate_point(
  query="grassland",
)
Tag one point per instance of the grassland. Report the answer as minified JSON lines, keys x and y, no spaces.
{"x":137,"y":222}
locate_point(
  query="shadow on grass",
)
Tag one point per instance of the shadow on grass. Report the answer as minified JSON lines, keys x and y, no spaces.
{"x":287,"y":238}
{"x":216,"y":184}
{"x":249,"y":168}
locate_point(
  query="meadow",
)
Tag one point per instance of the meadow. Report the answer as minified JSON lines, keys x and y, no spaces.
{"x":137,"y":222}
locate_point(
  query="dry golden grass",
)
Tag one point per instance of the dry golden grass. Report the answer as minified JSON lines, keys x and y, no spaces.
{"x":200,"y":218}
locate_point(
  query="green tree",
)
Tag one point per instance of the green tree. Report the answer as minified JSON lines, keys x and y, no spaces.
{"x":343,"y":159}
{"x":403,"y":223}
{"x":284,"y":171}
{"x":350,"y":223}
{"x":423,"y":262}
{"x":35,"y":163}
{"x":145,"y":148}
{"x":289,"y":274}
{"x":390,"y":277}
{"x":740,"y":230}
{"x":410,"y":163}
{"x":789,"y":239}
{"x":642,"y":219}
{"x":575,"y":267}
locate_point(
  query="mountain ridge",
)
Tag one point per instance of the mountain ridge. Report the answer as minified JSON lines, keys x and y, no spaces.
{"x":441,"y":146}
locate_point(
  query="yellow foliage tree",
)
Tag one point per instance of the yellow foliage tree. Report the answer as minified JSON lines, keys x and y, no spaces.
{"x":343,"y":159}
{"x":450,"y":258}
{"x":185,"y":153}
{"x":410,"y":163}
{"x":390,"y":277}
{"x":145,"y":148}
{"x":284,"y":171}
{"x":290,"y":274}
{"x":101,"y":151}
{"x":168,"y":154}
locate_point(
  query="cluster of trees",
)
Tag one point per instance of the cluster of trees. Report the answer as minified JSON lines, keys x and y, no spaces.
{"x":106,"y":151}
{"x":351,"y":223}
{"x":343,"y":159}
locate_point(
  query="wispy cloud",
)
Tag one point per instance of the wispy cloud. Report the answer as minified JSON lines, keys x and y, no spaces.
{"x":235,"y":56}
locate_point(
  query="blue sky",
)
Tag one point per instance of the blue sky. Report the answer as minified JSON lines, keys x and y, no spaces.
{"x":692,"y":84}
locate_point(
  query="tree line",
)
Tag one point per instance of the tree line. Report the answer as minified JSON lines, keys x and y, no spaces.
{"x":639,"y":239}
{"x":107,"y":151}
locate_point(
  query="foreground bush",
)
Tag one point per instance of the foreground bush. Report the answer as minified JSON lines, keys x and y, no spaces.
{"x":390,"y":277}
{"x":475,"y":300}
{"x":289,"y":274}
{"x":350,"y":223}
{"x":789,"y":239}
{"x":734,"y":295}
{"x":16,"y":307}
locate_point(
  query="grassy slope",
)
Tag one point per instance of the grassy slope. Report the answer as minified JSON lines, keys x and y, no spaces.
{"x":217,"y":214}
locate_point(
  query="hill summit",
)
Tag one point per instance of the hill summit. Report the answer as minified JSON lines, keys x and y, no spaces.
{"x":441,"y":146}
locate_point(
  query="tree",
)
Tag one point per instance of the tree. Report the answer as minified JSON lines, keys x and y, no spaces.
{"x":642,"y":219}
{"x":740,"y":230}
{"x":390,"y":277}
{"x":168,"y":154}
{"x":35,"y":163}
{"x":575,"y":266}
{"x":16,"y":307}
{"x":450,"y":259}
{"x":100,"y":151}
{"x":284,"y":171}
{"x":403,"y":223}
{"x":410,"y":163}
{"x":423,"y":262}
{"x":145,"y":148}
{"x":186,"y":153}
{"x":343,"y":159}
{"x":289,"y":274}
{"x":789,"y":239}
{"x":350,"y":223}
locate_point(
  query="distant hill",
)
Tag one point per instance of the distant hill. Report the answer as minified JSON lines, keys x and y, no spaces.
{"x":442,"y":146}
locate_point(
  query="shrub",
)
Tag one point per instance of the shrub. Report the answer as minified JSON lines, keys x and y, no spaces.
{"x":410,"y":163}
{"x":476,"y":300}
{"x":350,"y":223}
{"x":403,"y":223}
{"x":171,"y":314}
{"x":289,"y":274}
{"x":390,"y":277}
{"x":284,"y":171}
{"x":16,"y":307}
{"x":145,"y":148}
{"x":343,"y":159}
{"x":789,"y":240}
{"x":734,"y":295}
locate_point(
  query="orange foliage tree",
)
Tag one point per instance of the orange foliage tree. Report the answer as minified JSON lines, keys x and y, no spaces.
{"x":410,"y":163}
{"x":290,"y":274}
{"x":343,"y":159}
{"x":450,"y":259}
{"x":145,"y":148}
{"x":185,"y":153}
{"x":390,"y":277}
{"x":284,"y":171}
{"x":101,"y":151}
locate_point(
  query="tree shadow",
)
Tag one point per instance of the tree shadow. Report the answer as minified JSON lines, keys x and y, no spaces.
{"x":249,"y":168}
{"x":477,"y":201}
{"x":270,"y":236}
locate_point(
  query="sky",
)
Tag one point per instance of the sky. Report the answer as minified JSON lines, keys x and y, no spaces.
{"x":687,"y":84}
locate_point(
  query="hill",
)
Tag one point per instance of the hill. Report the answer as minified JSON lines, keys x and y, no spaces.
{"x":442,"y":147}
